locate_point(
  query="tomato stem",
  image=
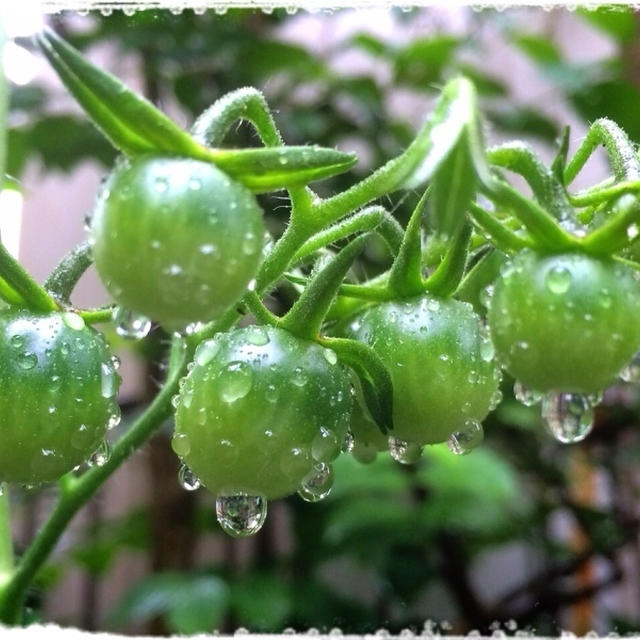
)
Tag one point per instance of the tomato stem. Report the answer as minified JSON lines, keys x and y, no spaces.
{"x":614,"y":233}
{"x":255,"y":306}
{"x":96,"y":316}
{"x":499,"y":234}
{"x":68,"y":272}
{"x":6,"y":545}
{"x":34,"y":296}
{"x":448,"y":275}
{"x":600,"y":194}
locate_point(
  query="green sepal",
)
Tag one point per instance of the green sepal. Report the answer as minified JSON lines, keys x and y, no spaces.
{"x":405,"y":277}
{"x":559,"y":163}
{"x":131,"y":123}
{"x":452,"y":189}
{"x":375,"y":380}
{"x":481,"y":275}
{"x":305,"y":317}
{"x":10,"y":295}
{"x":270,"y":168}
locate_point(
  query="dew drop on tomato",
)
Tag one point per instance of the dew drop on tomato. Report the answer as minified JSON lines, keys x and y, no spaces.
{"x":235,"y":381}
{"x":558,"y":279}
{"x":568,"y":416}
{"x":101,"y":455}
{"x":317,"y":484}
{"x":187,"y":479}
{"x":241,"y":515}
{"x":466,"y":439}
{"x":404,"y":452}
{"x":131,"y":325}
{"x":325,"y":446}
{"x":524,"y":395}
{"x":631,"y":373}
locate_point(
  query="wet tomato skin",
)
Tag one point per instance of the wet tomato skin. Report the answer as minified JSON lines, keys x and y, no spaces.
{"x":259,"y":407}
{"x":57,"y":394}
{"x":565,"y":322}
{"x":440,"y":362}
{"x":175,"y":239}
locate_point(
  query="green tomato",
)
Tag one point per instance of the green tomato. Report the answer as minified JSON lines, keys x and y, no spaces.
{"x":175,"y":239}
{"x":57,"y":396}
{"x":258,"y":409}
{"x":567,"y":322}
{"x":440,"y":362}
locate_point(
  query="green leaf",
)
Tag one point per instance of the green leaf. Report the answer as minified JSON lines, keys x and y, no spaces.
{"x":375,"y":380}
{"x":371,"y":44}
{"x":131,"y":123}
{"x":616,"y":21}
{"x":523,"y":121}
{"x":261,"y":602}
{"x":560,"y":161}
{"x":190,"y":603}
{"x":268,"y":169}
{"x":422,"y":62}
{"x":485,"y":84}
{"x":540,"y":50}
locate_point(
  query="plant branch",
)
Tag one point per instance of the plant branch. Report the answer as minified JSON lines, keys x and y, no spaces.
{"x":68,"y":272}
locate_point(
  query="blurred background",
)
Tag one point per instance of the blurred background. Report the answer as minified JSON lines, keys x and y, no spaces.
{"x":524,"y":534}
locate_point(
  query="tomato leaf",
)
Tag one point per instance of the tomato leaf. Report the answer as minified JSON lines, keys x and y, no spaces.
{"x":267,"y":169}
{"x":377,"y":387}
{"x":130,"y":122}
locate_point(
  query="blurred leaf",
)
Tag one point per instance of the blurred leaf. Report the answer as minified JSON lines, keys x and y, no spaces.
{"x":616,"y":21}
{"x":261,"y":602}
{"x":189,"y":603}
{"x":484,"y":83}
{"x":540,"y":50}
{"x":265,"y":58}
{"x":371,"y":44}
{"x":421,"y":62}
{"x":523,"y":121}
{"x":27,"y":98}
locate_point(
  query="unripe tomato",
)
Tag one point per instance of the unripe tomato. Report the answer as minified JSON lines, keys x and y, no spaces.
{"x":175,"y":239}
{"x":57,"y":395}
{"x":440,"y":362}
{"x":566,"y":322}
{"x":258,"y":409}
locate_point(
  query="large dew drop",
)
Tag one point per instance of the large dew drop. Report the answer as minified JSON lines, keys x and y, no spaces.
{"x":325,"y":446}
{"x":524,"y":395}
{"x":101,"y":455}
{"x":131,"y":325}
{"x":558,"y":280}
{"x":241,"y":515}
{"x":467,"y":438}
{"x":404,"y":452}
{"x":235,"y":381}
{"x":108,"y":380}
{"x":568,"y":416}
{"x":316,"y":485}
{"x":188,"y":480}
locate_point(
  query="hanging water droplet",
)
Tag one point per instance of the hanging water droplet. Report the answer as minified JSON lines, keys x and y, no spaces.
{"x":257,"y":336}
{"x":404,"y":452}
{"x":485,"y":296}
{"x":325,"y":446}
{"x":207,"y":352}
{"x":316,"y":485}
{"x":101,"y":455}
{"x":241,"y":515}
{"x":558,"y":279}
{"x":108,"y":380}
{"x":467,"y":438}
{"x":330,"y":356}
{"x":73,"y":321}
{"x":631,"y":373}
{"x":568,"y":416}
{"x":188,"y":480}
{"x":115,"y":362}
{"x":524,"y":395}
{"x":348,"y":442}
{"x":130,"y":325}
{"x":235,"y":381}
{"x":114,"y":419}
{"x":27,"y":360}
{"x":181,"y":444}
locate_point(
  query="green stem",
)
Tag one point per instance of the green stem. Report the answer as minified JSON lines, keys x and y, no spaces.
{"x":80,"y":492}
{"x":6,"y":545}
{"x":254,"y":305}
{"x":35,"y":297}
{"x":446,"y":278}
{"x":96,"y":316}
{"x":276,"y":263}
{"x":613,"y":234}
{"x":68,"y":271}
{"x":598,"y":195}
{"x":374,"y":218}
{"x":499,"y":234}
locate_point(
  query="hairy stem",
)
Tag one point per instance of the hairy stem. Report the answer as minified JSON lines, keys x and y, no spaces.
{"x":68,"y":271}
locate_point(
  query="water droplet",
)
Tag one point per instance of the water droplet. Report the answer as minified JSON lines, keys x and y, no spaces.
{"x":207,"y":249}
{"x":467,"y":438}
{"x":558,"y":279}
{"x":187,"y":479}
{"x":27,"y":360}
{"x":631,"y":373}
{"x":568,"y":416}
{"x":115,"y":362}
{"x":175,"y":400}
{"x":161,"y":184}
{"x":524,"y":395}
{"x":348,"y":442}
{"x":181,"y":444}
{"x":235,"y":381}
{"x":486,"y":350}
{"x":316,"y":485}
{"x":73,"y":321}
{"x":330,"y":356}
{"x":604,"y":299}
{"x":257,"y":336}
{"x":17,"y":341}
{"x":101,"y":455}
{"x":271,"y":394}
{"x":404,"y":452}
{"x":109,"y":380}
{"x":206,"y":352}
{"x":325,"y":446}
{"x":195,"y":184}
{"x":114,"y":418}
{"x":241,"y":515}
{"x":250,"y":244}
{"x":299,"y":377}
{"x":485,"y":296}
{"x":131,"y":325}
